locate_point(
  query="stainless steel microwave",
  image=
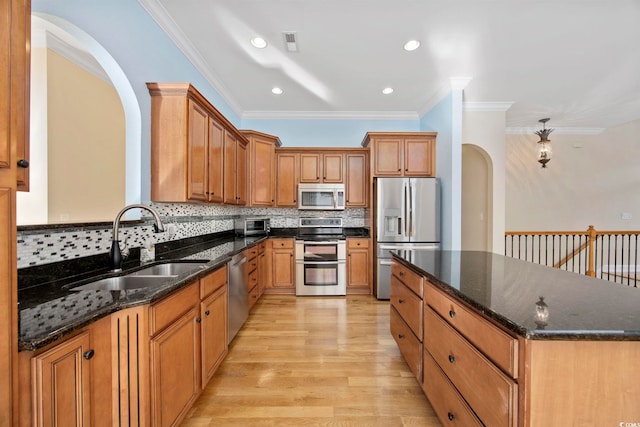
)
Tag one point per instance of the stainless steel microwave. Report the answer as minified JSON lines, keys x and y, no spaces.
{"x":252,"y":226}
{"x":326,"y":197}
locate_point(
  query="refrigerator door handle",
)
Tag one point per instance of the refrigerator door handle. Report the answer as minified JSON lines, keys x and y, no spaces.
{"x":405,"y":206}
{"x":411,"y":204}
{"x":385,"y":262}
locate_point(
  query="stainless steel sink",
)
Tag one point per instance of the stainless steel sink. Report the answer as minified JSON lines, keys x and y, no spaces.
{"x":123,"y":283}
{"x":170,"y":269}
{"x":154,"y":275}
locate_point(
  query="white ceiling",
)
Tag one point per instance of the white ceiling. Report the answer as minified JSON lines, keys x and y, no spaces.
{"x":575,"y":61}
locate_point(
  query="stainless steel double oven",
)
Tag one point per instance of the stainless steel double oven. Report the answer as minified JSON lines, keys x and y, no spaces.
{"x":321,"y":257}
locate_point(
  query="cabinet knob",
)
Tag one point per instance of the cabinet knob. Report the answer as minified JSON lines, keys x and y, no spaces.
{"x":88,"y":354}
{"x":399,"y":169}
{"x":317,"y":177}
{"x":452,"y":358}
{"x":452,"y":314}
{"x":402,"y":273}
{"x":22,"y":163}
{"x":401,"y":301}
{"x":206,"y":313}
{"x":450,"y":416}
{"x":406,"y":170}
{"x":198,"y":319}
{"x":401,"y":336}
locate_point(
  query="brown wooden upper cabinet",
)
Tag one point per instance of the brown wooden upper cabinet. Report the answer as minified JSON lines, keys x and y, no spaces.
{"x":286,"y":179}
{"x":321,"y":167}
{"x":356,"y":179}
{"x":262,"y":168}
{"x":197,"y":155}
{"x":402,"y":153}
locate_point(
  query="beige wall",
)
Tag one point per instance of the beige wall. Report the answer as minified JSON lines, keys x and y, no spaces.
{"x":590,"y":180}
{"x":485,"y":130}
{"x":86,"y":145}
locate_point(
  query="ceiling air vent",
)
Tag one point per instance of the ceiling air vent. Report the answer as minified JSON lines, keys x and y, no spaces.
{"x":290,"y":41}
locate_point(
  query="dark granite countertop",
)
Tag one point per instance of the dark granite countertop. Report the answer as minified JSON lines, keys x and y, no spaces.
{"x":51,"y":310}
{"x":507,"y":289}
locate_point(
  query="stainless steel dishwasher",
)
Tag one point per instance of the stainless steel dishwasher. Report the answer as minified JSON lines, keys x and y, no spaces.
{"x":238,"y":293}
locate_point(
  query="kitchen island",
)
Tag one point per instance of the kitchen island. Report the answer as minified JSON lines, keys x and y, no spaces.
{"x":515,"y":343}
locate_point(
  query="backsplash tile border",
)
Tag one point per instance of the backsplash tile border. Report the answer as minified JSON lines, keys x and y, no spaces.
{"x":181,"y":220}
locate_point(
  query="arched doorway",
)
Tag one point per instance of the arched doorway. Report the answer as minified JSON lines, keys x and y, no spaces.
{"x":477,"y":199}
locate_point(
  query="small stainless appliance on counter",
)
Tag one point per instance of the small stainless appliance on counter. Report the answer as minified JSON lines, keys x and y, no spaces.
{"x":325,"y":197}
{"x":321,"y":257}
{"x":407,"y":216}
{"x":252,"y":226}
{"x":238,"y":293}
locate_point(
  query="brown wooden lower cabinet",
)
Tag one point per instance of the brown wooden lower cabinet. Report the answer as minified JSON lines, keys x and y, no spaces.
{"x":141,"y":366}
{"x":475,"y":372}
{"x":281,"y":252}
{"x":358,"y":266}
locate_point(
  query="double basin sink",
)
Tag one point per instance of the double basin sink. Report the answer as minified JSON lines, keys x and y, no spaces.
{"x":152,"y":276}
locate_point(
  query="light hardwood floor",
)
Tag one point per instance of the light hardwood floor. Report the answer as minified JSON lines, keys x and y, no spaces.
{"x":314,"y":361}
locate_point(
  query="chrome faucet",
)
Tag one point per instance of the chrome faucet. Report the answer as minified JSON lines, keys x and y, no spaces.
{"x":115,"y":253}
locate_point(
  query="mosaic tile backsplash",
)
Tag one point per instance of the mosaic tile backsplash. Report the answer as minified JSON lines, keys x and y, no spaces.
{"x":180,"y":220}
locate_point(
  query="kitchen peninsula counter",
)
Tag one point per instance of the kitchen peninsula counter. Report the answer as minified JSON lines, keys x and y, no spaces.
{"x":490,"y":358}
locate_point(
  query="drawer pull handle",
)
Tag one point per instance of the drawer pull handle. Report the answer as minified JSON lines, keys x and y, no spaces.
{"x":88,"y":354}
{"x":401,"y":336}
{"x":452,"y":314}
{"x":400,"y":301}
{"x":452,"y":358}
{"x":450,"y":416}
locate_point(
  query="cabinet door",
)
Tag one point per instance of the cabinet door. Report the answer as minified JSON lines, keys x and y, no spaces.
{"x":175,"y":370}
{"x":286,"y":180}
{"x":230,"y":144}
{"x":387,"y":157}
{"x":213,"y":332}
{"x":197,"y":161}
{"x":332,"y":168}
{"x":20,"y":86}
{"x":241,"y":173}
{"x":419,"y":157}
{"x":358,"y":265}
{"x":283,"y":268}
{"x":216,"y":165}
{"x":262,"y":172}
{"x":310,"y":167}
{"x":62,"y":382}
{"x":356,"y":180}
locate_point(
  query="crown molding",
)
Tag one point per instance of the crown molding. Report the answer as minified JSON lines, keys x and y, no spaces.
{"x":330,"y":115}
{"x":486,"y":106}
{"x":556,"y":131}
{"x":159,"y":14}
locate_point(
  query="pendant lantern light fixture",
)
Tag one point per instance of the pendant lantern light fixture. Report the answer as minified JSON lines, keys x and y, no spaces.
{"x":544,"y":147}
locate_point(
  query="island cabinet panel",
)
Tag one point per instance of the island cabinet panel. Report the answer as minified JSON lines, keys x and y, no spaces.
{"x":497,"y":345}
{"x":409,"y":345}
{"x":582,"y":383}
{"x":447,"y":403}
{"x":492,"y":394}
{"x":408,"y":305}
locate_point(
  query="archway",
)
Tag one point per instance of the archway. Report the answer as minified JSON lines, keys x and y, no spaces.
{"x":477,"y":199}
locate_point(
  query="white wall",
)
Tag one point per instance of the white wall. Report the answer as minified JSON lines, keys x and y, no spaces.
{"x":590,"y":180}
{"x":485,"y":129}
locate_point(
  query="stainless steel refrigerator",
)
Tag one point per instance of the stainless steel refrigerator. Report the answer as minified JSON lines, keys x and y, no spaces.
{"x":407,"y":218}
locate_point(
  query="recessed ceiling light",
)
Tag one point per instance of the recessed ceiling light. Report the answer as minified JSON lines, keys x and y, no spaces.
{"x":276,"y":91}
{"x":387,"y":90}
{"x":259,"y":42}
{"x":411,"y":45}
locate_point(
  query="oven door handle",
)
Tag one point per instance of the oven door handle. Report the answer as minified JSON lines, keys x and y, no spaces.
{"x":311,"y":242}
{"x":301,"y":261}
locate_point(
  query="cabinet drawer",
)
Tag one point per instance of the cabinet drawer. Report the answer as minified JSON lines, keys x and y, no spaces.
{"x":163,"y":313}
{"x":408,"y":305}
{"x":261,"y":247}
{"x":492,"y":395}
{"x":252,"y":264}
{"x":212,"y":282}
{"x":354,"y":243}
{"x":252,"y":252}
{"x":253,"y":280}
{"x":253,"y":297}
{"x":282,"y":243}
{"x":408,"y":277}
{"x":497,"y":345}
{"x":408,"y":344}
{"x":447,"y":403}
